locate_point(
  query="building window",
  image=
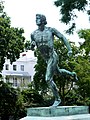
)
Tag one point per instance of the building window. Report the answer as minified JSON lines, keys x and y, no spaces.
{"x":6,"y":67}
{"x":22,"y":67}
{"x":30,"y":79}
{"x":15,"y":82}
{"x":23,"y":82}
{"x":14,"y":67}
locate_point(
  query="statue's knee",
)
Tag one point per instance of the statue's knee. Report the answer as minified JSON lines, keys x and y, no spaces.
{"x":48,"y":81}
{"x":47,"y":78}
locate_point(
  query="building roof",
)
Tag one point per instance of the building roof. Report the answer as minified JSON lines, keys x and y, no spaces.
{"x":10,"y":73}
{"x":27,"y":56}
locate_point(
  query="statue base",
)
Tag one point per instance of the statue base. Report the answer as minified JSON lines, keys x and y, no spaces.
{"x":58,"y":113}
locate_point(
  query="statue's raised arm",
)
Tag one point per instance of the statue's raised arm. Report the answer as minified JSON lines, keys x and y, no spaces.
{"x":63,"y":38}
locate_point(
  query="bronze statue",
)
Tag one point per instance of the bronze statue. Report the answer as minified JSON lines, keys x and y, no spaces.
{"x":43,"y":38}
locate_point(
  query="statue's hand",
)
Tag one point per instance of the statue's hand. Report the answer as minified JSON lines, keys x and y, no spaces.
{"x":70,"y":53}
{"x":32,"y":45}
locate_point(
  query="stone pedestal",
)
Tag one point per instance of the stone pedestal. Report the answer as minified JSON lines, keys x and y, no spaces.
{"x":58,"y":113}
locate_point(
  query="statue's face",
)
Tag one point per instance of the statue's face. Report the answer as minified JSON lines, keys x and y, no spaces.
{"x":38,"y":20}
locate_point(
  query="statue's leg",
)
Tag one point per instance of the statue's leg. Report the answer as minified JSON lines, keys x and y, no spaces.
{"x":66,"y":72}
{"x":54,"y":89}
{"x":49,"y":79}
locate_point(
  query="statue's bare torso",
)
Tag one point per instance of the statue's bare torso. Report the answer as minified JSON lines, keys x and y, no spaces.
{"x":44,"y":41}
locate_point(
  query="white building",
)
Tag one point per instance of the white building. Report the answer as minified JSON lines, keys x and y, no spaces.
{"x":20,"y":73}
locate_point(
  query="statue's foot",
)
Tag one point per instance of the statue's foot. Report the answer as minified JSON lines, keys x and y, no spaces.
{"x":56,"y":103}
{"x":75,"y":76}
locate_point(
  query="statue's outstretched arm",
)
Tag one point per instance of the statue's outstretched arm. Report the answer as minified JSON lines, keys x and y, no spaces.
{"x":63,"y":38}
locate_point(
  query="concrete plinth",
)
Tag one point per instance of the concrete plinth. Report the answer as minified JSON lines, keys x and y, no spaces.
{"x":57,"y":111}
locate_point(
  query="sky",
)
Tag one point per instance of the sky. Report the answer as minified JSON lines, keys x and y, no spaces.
{"x":22,"y":14}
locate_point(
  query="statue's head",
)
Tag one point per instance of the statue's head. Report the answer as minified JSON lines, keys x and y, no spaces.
{"x":40,"y":19}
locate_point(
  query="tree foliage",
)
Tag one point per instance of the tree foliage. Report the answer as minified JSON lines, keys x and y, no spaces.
{"x":7,"y":99}
{"x":27,"y":45}
{"x":85,"y":34}
{"x":10,"y":103}
{"x":83,"y":68}
{"x":11,"y":39}
{"x":32,"y":98}
{"x":68,"y":9}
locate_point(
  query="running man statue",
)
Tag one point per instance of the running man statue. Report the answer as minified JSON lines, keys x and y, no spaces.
{"x":43,"y":39}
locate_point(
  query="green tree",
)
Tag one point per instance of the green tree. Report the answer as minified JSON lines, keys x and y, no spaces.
{"x":83,"y":68}
{"x":31,"y":97}
{"x":85,"y":34}
{"x":8,"y":98}
{"x":68,"y":11}
{"x":11,"y":39}
{"x":10,"y":103}
{"x":27,"y":45}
